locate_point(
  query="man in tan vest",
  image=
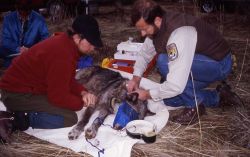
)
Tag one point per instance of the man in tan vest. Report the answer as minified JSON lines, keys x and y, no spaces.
{"x":192,"y":55}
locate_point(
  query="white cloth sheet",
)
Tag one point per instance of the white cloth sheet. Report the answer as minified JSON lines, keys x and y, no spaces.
{"x":115,"y":143}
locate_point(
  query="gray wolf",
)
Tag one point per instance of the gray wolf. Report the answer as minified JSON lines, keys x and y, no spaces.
{"x":107,"y":85}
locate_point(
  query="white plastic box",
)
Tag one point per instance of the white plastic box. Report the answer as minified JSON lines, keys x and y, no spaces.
{"x":127,"y":50}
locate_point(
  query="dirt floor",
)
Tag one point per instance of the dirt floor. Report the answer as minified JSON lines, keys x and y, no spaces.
{"x":219,"y":133}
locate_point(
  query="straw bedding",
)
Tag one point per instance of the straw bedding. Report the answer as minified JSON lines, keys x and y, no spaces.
{"x":219,"y":133}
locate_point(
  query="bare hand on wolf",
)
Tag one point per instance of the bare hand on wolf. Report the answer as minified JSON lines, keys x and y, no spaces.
{"x":133,"y":84}
{"x":143,"y":94}
{"x":88,"y":99}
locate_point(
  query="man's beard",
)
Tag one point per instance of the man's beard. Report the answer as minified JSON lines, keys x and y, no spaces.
{"x":156,"y":30}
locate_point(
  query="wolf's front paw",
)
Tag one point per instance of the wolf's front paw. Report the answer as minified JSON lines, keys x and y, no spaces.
{"x":74,"y":133}
{"x":90,"y":133}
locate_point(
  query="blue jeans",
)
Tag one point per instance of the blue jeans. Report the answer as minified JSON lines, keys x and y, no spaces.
{"x":41,"y":113}
{"x":204,"y":71}
{"x":42,"y":120}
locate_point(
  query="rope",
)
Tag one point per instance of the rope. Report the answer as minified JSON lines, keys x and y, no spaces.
{"x":99,"y":120}
{"x":99,"y":150}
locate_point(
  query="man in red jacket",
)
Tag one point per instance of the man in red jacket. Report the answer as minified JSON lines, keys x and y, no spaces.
{"x":40,"y":83}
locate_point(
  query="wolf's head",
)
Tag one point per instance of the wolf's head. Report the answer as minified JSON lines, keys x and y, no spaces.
{"x":132,"y":98}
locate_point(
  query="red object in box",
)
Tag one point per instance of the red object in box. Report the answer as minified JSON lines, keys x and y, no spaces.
{"x":127,"y":65}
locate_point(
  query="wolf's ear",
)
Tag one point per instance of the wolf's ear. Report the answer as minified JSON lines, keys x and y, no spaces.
{"x":132,"y":97}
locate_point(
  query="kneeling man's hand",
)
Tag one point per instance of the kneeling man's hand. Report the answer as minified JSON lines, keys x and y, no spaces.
{"x":88,"y":99}
{"x":143,"y":94}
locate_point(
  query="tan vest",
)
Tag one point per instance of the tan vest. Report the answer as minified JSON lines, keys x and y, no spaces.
{"x":209,"y":40}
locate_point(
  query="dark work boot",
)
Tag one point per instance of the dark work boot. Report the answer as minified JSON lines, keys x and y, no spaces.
{"x":228,"y":97}
{"x":189,"y":116}
{"x":21,"y":121}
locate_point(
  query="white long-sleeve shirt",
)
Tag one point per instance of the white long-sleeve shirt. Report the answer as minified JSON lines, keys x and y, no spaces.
{"x":183,"y":42}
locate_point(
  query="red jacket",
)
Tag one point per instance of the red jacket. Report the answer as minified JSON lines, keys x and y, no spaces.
{"x":47,"y":68}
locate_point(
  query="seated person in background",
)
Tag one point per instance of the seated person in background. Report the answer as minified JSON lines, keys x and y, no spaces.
{"x":21,"y":29}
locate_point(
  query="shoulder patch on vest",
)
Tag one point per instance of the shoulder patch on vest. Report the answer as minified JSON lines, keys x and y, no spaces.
{"x":172,"y":51}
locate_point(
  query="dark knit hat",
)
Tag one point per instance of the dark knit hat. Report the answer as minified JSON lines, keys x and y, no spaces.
{"x":87,"y":26}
